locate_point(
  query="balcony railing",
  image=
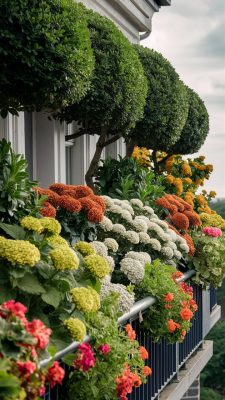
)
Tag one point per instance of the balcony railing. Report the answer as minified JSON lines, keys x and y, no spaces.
{"x":165,"y":359}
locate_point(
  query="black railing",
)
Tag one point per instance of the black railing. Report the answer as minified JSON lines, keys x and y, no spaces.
{"x":165,"y":359}
{"x":213,"y":299}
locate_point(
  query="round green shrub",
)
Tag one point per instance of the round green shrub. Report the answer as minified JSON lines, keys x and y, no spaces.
{"x":46,"y":56}
{"x":118,"y":90}
{"x":166,"y":107}
{"x":196,"y":127}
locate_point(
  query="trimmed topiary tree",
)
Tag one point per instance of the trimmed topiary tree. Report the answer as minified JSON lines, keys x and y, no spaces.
{"x":46,"y":56}
{"x":118,"y":91}
{"x":196,"y":127}
{"x":166,"y":107}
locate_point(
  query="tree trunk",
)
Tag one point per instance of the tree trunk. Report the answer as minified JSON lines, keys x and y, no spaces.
{"x":129,"y":148}
{"x":96,"y":158}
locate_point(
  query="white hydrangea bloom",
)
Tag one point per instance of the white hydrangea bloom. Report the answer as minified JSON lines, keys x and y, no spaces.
{"x":142,"y":218}
{"x":117,"y":202}
{"x":133,"y":269}
{"x":161,"y":223}
{"x":127,"y":207}
{"x":184,"y":247}
{"x":155,"y":244}
{"x":152,"y":226}
{"x":126,"y":215}
{"x":111,"y":263}
{"x":144,"y":238}
{"x":153,"y":216}
{"x":120,"y":229}
{"x":141,"y":256}
{"x":106,"y":224}
{"x":148,"y":209}
{"x":111,"y":244}
{"x":100,"y":248}
{"x":167,"y":252}
{"x":173,"y":235}
{"x":108,"y":201}
{"x":171,"y":244}
{"x":137,"y":202}
{"x":115,"y":209}
{"x":140,"y":225}
{"x":132,"y":236}
{"x":126,"y":299}
{"x":177,"y":254}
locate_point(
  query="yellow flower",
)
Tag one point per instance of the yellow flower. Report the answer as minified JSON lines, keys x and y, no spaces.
{"x":64,"y":258}
{"x":212,"y":194}
{"x":186,"y":169}
{"x":170,"y":178}
{"x":213,"y":220}
{"x":201,"y":167}
{"x":85,"y":299}
{"x":84,"y":248}
{"x":97,"y":265}
{"x":169,"y":163}
{"x":190,"y":194}
{"x":201,"y":200}
{"x":201,"y":158}
{"x":56,"y":240}
{"x":209,"y":167}
{"x":187,"y":181}
{"x":31,"y":224}
{"x":76,"y":328}
{"x":50,"y":225}
{"x":19,"y":252}
{"x":178,"y":185}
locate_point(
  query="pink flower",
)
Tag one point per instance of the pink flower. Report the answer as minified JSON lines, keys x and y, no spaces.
{"x":38,"y":330}
{"x":42,"y":391}
{"x":211,"y":231}
{"x":55,"y":374}
{"x":27,"y":368}
{"x":85,"y":357}
{"x":17,"y":309}
{"x":104,"y":349}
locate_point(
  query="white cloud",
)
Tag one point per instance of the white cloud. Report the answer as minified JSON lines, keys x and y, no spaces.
{"x":191,"y":35}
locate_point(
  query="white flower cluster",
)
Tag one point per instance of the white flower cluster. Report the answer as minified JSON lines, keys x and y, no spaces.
{"x":102,"y":250}
{"x":126,"y":299}
{"x":134,"y":224}
{"x":111,"y":244}
{"x":133,"y":265}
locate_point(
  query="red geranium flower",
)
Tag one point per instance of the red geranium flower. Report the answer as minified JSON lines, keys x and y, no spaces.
{"x":55,"y":374}
{"x":38,"y":330}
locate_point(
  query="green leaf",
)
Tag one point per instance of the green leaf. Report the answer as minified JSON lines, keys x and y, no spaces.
{"x":9,"y":385}
{"x":52,"y":296}
{"x":14,"y":231}
{"x":69,"y":359}
{"x":30,"y":284}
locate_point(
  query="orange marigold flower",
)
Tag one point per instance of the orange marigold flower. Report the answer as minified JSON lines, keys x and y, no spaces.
{"x":95,"y":215}
{"x":143,"y":352}
{"x":186,"y":314}
{"x":187,"y":181}
{"x":186,"y":169}
{"x":48,"y":210}
{"x":147,"y":371}
{"x":176,"y":275}
{"x":136,"y":380}
{"x":193,"y":217}
{"x":87,"y":203}
{"x":184,"y":332}
{"x":162,"y":202}
{"x":169,"y":178}
{"x":82,"y":191}
{"x":193,"y":305}
{"x":69,"y":203}
{"x":185,"y":204}
{"x":171,"y":326}
{"x":99,"y":200}
{"x":169,"y":297}
{"x":175,"y":201}
{"x":167,"y":306}
{"x":178,"y":326}
{"x":130,"y":332}
{"x":58,"y":187}
{"x":180,"y":221}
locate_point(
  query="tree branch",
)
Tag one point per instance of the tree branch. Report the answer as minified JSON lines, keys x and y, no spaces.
{"x":75,"y":135}
{"x":112,"y":140}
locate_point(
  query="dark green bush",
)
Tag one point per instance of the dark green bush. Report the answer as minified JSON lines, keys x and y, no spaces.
{"x":118,"y":89}
{"x":46,"y":56}
{"x":196,"y":127}
{"x":166,"y":107}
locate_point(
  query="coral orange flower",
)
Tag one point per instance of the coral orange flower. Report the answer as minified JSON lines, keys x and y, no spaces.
{"x":147,"y":371}
{"x":171,"y":326}
{"x":184,"y":332}
{"x":69,"y":203}
{"x":95,"y":215}
{"x":87,"y":203}
{"x":168,"y":306}
{"x":190,"y":243}
{"x":180,"y":221}
{"x":143,"y":353}
{"x":136,"y":380}
{"x":186,"y":314}
{"x":82,"y":191}
{"x":58,"y":187}
{"x":193,"y":217}
{"x":169,"y":297}
{"x":130,"y":332}
{"x":48,"y":210}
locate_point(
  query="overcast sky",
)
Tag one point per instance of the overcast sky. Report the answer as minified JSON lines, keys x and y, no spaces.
{"x":191,"y":35}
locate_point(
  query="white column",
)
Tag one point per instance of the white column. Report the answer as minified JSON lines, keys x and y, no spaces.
{"x":49,"y":150}
{"x":12,"y":129}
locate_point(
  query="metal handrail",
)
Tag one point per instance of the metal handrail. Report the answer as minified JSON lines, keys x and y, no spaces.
{"x":139,"y":306}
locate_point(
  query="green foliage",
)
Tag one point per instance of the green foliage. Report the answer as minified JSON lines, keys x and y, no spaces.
{"x":99,"y":382}
{"x":166,"y":107}
{"x":17,"y":198}
{"x":126,"y":179}
{"x":196,"y":127}
{"x":208,"y":260}
{"x":158,"y":282}
{"x":213,"y":375}
{"x":209,"y":394}
{"x":46,"y":57}
{"x":118,"y":89}
{"x":219,"y":207}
